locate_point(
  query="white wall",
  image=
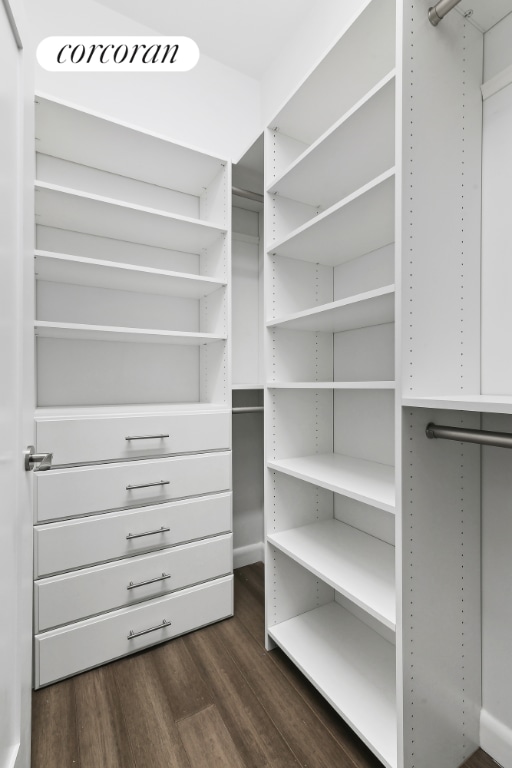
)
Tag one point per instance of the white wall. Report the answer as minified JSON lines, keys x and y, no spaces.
{"x":212,"y":107}
{"x":318,"y":32}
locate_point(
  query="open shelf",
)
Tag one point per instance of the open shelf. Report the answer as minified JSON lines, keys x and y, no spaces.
{"x":480,"y":403}
{"x":363,"y":143}
{"x":247,"y":386}
{"x":352,"y":666}
{"x":369,"y":308}
{"x":331,"y":385}
{"x":358,"y":224}
{"x":359,"y":566}
{"x":65,"y":131}
{"x":136,"y":409}
{"x":76,"y":270}
{"x":78,"y":211}
{"x":80,"y":332}
{"x":359,"y":479}
{"x":346,"y":73}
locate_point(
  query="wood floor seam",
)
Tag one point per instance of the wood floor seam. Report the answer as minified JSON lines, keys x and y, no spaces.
{"x":192,"y":714}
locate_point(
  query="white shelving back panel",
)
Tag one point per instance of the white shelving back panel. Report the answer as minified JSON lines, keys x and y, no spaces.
{"x":121,"y":373}
{"x":66,"y":303}
{"x":364,"y":424}
{"x":96,"y":273}
{"x":72,"y":209}
{"x":120,"y":251}
{"x":365,"y":354}
{"x":65,"y":131}
{"x":63,"y":173}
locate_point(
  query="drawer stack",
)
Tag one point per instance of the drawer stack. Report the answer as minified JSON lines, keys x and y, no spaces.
{"x":132,"y":537}
{"x":133,"y":541}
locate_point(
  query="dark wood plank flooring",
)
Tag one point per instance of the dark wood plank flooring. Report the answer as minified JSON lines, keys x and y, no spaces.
{"x":211,"y":699}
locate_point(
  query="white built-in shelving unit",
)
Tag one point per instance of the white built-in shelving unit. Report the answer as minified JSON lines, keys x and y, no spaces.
{"x":133,"y":314}
{"x":330,"y":319}
{"x":374,"y":211}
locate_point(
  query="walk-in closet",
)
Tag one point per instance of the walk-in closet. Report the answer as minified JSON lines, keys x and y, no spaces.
{"x":256,"y":392}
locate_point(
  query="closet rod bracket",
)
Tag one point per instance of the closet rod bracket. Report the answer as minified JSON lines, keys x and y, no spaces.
{"x":437,"y":12}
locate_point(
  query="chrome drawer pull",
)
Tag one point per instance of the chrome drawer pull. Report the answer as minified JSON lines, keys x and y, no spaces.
{"x":147,"y":485}
{"x":163,"y":625}
{"x":164,"y":576}
{"x":148,"y":533}
{"x":145,"y":437}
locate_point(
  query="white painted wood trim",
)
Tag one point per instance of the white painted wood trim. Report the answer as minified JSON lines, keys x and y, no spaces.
{"x":249,"y":554}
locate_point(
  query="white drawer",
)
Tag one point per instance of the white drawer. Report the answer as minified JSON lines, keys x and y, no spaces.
{"x":91,"y":591}
{"x":93,"y":439}
{"x":77,"y":647}
{"x":63,"y":493}
{"x":89,"y":540}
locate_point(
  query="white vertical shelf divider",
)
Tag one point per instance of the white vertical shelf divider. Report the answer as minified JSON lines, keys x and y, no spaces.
{"x":330,"y":308}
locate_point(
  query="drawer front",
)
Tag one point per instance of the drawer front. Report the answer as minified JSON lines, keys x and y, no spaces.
{"x":91,"y":591}
{"x":75,"y":648}
{"x":96,"y":439}
{"x":63,"y":493}
{"x":78,"y":543}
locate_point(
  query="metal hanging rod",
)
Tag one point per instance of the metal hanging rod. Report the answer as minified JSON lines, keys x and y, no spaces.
{"x":248,"y":409}
{"x":239,"y":192}
{"x":498,"y":439}
{"x":440,"y":9}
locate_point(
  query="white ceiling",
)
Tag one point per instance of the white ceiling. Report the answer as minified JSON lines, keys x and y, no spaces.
{"x":243,"y":34}
{"x":486,"y":13}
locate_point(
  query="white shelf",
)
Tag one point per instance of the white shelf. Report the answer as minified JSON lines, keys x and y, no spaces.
{"x":78,"y":211}
{"x":93,"y":411}
{"x":366,"y":481}
{"x":48,"y":330}
{"x":344,"y":74}
{"x":331,"y":385}
{"x":363,"y":143}
{"x":352,"y":666}
{"x":76,"y":270}
{"x":370,"y":308}
{"x":358,"y":224}
{"x":359,"y":566}
{"x":247,"y":386}
{"x":480,"y":403}
{"x":65,"y":131}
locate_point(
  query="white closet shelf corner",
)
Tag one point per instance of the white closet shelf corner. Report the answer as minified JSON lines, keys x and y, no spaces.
{"x":356,"y":676}
{"x":341,"y":233}
{"x":79,"y":211}
{"x":367,"y":481}
{"x":98,"y":273}
{"x":80,"y":332}
{"x":373,"y":307}
{"x":356,"y":564}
